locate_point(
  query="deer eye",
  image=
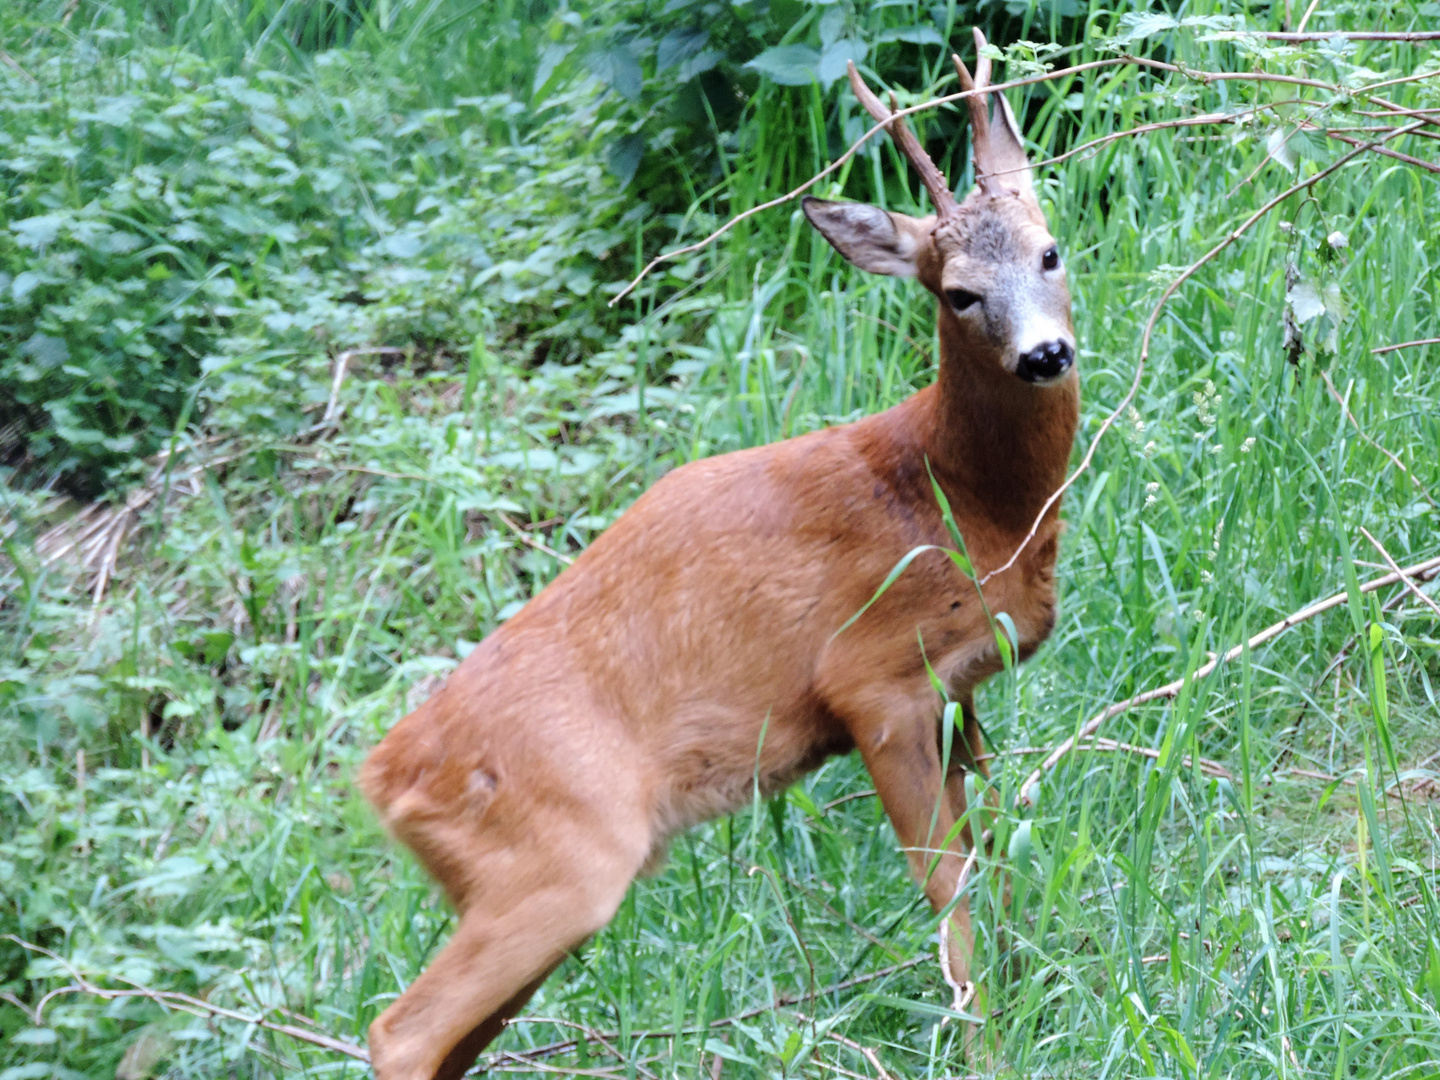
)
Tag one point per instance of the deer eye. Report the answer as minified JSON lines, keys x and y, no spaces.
{"x":1051,"y":259}
{"x":960,"y":299}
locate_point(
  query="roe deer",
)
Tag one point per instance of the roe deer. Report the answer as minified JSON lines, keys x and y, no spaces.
{"x":626,"y":701}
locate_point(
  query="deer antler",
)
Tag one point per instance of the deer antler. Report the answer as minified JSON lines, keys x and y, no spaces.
{"x":933,"y":179}
{"x":979,"y":109}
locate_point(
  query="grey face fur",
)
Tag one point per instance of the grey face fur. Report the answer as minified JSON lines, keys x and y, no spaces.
{"x":994,"y":265}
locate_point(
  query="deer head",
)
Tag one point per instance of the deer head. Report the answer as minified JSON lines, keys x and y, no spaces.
{"x":990,"y":260}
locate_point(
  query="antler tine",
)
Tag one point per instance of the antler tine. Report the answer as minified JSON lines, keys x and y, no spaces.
{"x":982,"y":62}
{"x":978,"y":104}
{"x":933,"y":179}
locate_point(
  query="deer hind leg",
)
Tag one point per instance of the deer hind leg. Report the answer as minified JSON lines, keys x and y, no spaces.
{"x":535,"y":904}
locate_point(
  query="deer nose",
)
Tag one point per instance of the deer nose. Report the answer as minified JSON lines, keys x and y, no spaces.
{"x":1045,"y":362}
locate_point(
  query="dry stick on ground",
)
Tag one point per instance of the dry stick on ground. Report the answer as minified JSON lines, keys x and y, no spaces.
{"x":1028,"y":790}
{"x":10,"y":62}
{"x":342,"y":364}
{"x":1424,"y":493}
{"x":961,"y":993}
{"x":1394,"y":566}
{"x":591,"y":1035}
{"x":1405,"y":345}
{"x":566,"y":1045}
{"x":1150,"y":324}
{"x":1208,"y":767}
{"x":530,"y":541}
{"x":183,"y":1002}
{"x":864,"y":1051}
{"x":1396,"y":792}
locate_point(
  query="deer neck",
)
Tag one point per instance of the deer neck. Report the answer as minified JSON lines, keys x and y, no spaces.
{"x":999,"y":446}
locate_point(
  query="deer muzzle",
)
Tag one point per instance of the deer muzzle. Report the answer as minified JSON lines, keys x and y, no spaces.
{"x":1046,"y":362}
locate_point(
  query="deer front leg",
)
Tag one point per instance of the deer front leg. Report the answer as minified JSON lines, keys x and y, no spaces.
{"x":904,"y":762}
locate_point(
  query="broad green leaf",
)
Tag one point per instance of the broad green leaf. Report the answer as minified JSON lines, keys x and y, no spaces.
{"x":788,"y":65}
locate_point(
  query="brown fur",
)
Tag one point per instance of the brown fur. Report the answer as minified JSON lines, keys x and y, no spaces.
{"x":626,"y":701}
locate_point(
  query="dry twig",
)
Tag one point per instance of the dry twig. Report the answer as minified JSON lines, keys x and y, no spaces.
{"x":1204,"y":77}
{"x":1334,"y":35}
{"x":1029,"y":789}
{"x":868,"y":1054}
{"x":566,"y":1045}
{"x":1424,"y":493}
{"x":530,"y":541}
{"x":342,"y":365}
{"x":184,"y":1002}
{"x":1404,"y":577}
{"x":1405,"y":345}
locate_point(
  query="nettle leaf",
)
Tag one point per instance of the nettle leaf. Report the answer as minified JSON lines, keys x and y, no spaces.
{"x":623,"y":157}
{"x":617,"y":69}
{"x":913,"y":35}
{"x":37,"y":232}
{"x":46,"y":351}
{"x":834,"y":58}
{"x":699,"y":64}
{"x":788,"y":65}
{"x":1136,"y":26}
{"x":1281,"y":147}
{"x":1304,"y":299}
{"x":678,"y":46}
{"x":1336,"y":305}
{"x":1139,"y":25}
{"x":551,"y":57}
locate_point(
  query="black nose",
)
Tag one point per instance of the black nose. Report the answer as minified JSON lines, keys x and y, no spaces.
{"x":1046,"y":361}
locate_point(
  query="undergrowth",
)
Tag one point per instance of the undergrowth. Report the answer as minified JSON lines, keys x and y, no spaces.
{"x":208,"y":220}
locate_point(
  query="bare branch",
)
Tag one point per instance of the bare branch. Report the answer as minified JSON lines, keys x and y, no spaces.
{"x":853,"y":149}
{"x":1028,"y":790}
{"x":1336,"y":35}
{"x":185,"y":1003}
{"x":1405,"y":345}
{"x":1390,"y":562}
{"x":1428,"y":166}
{"x":566,"y":1045}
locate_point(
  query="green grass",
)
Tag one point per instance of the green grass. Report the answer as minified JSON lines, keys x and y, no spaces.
{"x":295,"y":597}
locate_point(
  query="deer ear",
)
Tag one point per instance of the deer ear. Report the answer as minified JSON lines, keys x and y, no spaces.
{"x":875,"y":240}
{"x":1005,"y":151}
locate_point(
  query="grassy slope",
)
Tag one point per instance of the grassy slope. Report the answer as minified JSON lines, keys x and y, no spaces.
{"x":276,"y":623}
